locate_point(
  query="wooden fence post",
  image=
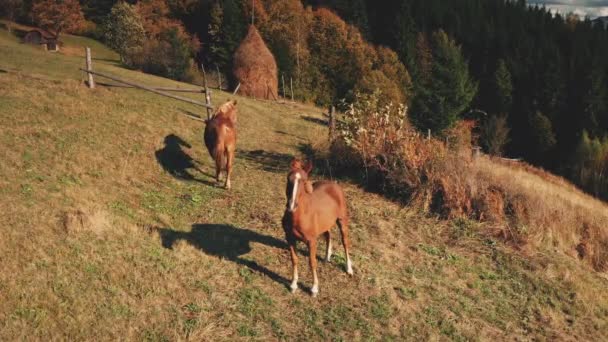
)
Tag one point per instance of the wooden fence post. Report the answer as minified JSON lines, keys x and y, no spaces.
{"x":429,"y":134}
{"x":89,"y":64}
{"x":207,"y":95}
{"x":237,"y":88}
{"x":291,"y":81}
{"x":332,"y":123}
{"x":476,"y":152}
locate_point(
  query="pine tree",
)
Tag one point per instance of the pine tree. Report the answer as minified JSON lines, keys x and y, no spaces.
{"x":449,"y":91}
{"x":424,"y":60}
{"x":234,"y":27}
{"x":595,"y":108}
{"x":503,"y":88}
{"x":404,"y":35}
{"x":542,"y":136}
{"x":358,"y":17}
{"x":96,"y":10}
{"x":10,"y":11}
{"x":226,"y":30}
{"x":217,"y":50}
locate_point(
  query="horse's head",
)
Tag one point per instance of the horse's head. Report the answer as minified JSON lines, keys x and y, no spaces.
{"x":297,"y":179}
{"x":227,"y":110}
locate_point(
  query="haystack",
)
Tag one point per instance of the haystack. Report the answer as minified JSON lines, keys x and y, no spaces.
{"x":255,"y":67}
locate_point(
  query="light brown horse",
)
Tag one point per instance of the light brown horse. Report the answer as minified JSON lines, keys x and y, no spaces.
{"x":220,"y":139}
{"x":313,"y":209}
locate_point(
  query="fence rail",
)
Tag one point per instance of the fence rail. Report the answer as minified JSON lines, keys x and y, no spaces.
{"x":177,"y":90}
{"x":163,"y":91}
{"x":150,"y":89}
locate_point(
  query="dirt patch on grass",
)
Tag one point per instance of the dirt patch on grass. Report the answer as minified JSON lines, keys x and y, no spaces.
{"x":76,"y":221}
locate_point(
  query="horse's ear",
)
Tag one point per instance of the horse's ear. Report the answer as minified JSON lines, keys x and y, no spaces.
{"x":308,"y":167}
{"x":308,"y":187}
{"x":295,"y":164}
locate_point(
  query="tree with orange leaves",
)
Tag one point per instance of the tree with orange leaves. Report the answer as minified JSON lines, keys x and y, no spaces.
{"x":58,"y":15}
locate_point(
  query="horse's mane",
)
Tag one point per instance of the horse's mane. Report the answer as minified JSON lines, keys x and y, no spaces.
{"x":227,"y":107}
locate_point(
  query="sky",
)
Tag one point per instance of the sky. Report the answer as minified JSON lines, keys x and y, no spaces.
{"x":591,"y":8}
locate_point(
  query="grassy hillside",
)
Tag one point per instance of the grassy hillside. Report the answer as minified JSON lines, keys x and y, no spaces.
{"x":112,"y":228}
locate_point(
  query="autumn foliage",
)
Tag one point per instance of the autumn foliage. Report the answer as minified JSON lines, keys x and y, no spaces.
{"x":58,"y":16}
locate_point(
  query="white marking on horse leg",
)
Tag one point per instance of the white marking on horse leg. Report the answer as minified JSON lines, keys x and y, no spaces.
{"x":292,"y":205}
{"x":315,"y":284}
{"x":349,"y":265}
{"x":228,"y":183}
{"x":329,"y":251}
{"x":294,"y":282}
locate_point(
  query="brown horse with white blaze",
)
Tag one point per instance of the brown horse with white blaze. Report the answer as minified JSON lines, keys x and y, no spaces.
{"x":312,"y":210}
{"x":220,"y":139}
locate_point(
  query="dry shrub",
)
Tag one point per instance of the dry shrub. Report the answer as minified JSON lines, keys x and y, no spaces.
{"x":378,"y":140}
{"x":524,"y":206}
{"x":255,"y":67}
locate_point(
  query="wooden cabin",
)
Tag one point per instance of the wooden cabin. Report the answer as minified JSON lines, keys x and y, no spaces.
{"x":41,"y":37}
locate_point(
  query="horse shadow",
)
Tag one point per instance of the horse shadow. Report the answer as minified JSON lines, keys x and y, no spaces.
{"x":225,"y":241}
{"x":274,"y":161}
{"x":173,"y":159}
{"x":267,"y":161}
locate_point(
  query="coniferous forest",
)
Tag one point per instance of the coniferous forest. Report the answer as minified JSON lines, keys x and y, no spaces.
{"x":536,"y":83}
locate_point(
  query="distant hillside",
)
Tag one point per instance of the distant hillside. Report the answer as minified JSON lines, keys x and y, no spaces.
{"x":113,"y":229}
{"x":601,"y":20}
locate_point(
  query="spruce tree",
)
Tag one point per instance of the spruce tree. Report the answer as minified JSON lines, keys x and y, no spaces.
{"x":503,"y":88}
{"x":449,"y":91}
{"x":217,"y":50}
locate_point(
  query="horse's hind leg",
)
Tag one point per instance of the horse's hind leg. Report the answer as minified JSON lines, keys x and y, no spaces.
{"x":343,"y":225}
{"x":312,"y":249}
{"x":328,"y":243}
{"x":218,"y":166}
{"x":229,"y":163}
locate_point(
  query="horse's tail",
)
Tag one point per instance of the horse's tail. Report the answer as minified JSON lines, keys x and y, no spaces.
{"x":220,"y":156}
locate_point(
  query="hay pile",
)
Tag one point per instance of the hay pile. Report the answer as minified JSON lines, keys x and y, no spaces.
{"x":255,"y":67}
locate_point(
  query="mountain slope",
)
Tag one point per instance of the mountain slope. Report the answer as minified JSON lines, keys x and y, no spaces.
{"x":113,"y":229}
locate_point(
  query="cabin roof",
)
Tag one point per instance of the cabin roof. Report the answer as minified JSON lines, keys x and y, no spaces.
{"x":45,"y":34}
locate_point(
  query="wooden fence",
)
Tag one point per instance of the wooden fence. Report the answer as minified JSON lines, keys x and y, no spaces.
{"x":163,"y":91}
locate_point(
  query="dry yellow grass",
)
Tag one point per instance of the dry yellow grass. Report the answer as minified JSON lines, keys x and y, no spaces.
{"x":552,"y":213}
{"x":111,"y":232}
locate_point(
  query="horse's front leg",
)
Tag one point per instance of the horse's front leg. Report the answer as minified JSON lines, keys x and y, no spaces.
{"x":294,"y":263}
{"x":312,"y":247}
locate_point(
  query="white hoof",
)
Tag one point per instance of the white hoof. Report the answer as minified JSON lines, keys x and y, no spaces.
{"x":294,"y":287}
{"x":314,"y":291}
{"x":349,"y":267}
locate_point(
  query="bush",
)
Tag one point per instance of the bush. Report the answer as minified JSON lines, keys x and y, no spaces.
{"x":169,"y":57}
{"x":377,"y":146}
{"x":383,"y":147}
